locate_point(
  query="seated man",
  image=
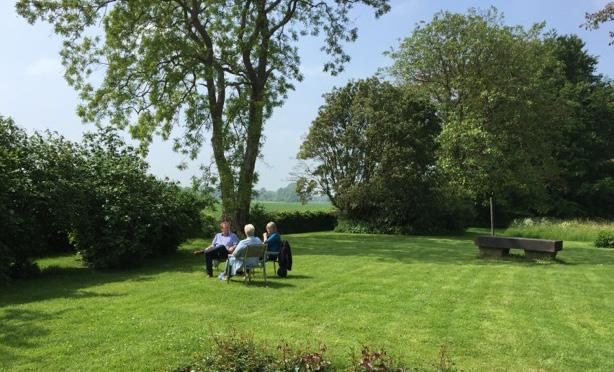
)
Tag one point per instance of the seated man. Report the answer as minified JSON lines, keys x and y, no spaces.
{"x":223,"y":244}
{"x":272,"y":238}
{"x":235,"y":261}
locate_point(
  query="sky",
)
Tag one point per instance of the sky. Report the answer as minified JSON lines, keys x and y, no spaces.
{"x":34,"y":93}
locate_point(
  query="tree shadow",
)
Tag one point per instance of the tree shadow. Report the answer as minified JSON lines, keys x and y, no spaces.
{"x":69,"y":282}
{"x":18,"y":331}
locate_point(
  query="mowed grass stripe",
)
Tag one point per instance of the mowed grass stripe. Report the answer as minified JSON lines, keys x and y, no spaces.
{"x":408,"y":295}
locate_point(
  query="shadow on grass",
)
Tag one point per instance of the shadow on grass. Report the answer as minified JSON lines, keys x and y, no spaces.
{"x":272,"y":284}
{"x":17,"y":331}
{"x":68,"y":282}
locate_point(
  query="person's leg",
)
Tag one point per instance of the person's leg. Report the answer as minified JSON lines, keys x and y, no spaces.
{"x":214,"y":253}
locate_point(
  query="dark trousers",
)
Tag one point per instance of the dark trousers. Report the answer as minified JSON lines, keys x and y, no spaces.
{"x":219,"y":252}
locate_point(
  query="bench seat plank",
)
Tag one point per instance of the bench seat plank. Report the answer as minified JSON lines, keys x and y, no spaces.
{"x":499,"y":246}
{"x":540,"y":245}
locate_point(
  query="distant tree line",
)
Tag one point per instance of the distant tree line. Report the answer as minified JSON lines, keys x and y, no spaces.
{"x":470,"y":109}
{"x":94,"y":197}
{"x":284,"y":194}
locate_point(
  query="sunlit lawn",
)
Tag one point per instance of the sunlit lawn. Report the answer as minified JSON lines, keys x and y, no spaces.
{"x":408,"y":295}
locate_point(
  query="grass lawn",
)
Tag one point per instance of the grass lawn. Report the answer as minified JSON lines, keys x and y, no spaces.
{"x":406,"y":294}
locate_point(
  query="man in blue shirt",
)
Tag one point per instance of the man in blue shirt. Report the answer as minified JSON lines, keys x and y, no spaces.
{"x":223,"y":244}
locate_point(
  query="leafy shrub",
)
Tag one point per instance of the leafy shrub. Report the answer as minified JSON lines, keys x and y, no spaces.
{"x":371,"y":361}
{"x":18,"y":237}
{"x":97,"y":197}
{"x":605,"y":239}
{"x":293,"y":222}
{"x":128,"y":215}
{"x":238,"y":352}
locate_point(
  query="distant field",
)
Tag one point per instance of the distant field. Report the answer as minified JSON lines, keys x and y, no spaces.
{"x":289,"y":207}
{"x":293,"y":207}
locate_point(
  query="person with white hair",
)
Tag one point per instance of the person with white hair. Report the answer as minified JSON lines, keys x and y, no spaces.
{"x":235,"y":260}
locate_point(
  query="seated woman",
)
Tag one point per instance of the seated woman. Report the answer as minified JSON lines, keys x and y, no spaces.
{"x":272,"y":238}
{"x":235,"y":260}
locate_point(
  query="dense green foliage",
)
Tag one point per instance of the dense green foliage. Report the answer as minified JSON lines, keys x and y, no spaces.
{"x":94,"y":197}
{"x":213,"y":66}
{"x":373,"y":150}
{"x":499,"y":107}
{"x":585,"y":183}
{"x":526,"y":118}
{"x":129,"y":215}
{"x":404,"y":294}
{"x":478,"y":109}
{"x":605,"y":239}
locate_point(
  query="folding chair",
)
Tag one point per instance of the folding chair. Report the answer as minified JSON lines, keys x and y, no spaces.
{"x":257,"y":253}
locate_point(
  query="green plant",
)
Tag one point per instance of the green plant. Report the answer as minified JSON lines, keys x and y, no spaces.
{"x":605,"y":239}
{"x":376,"y":361}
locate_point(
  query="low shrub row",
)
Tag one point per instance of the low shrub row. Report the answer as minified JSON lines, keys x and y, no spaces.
{"x":293,"y":222}
{"x":236,"y":352}
{"x":95,"y":197}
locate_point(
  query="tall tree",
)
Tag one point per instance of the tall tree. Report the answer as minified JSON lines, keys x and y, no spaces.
{"x":586,"y":150}
{"x":497,"y":103}
{"x":371,"y":150}
{"x":218,"y":65}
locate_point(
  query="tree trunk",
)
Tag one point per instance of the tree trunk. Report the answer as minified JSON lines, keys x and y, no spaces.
{"x":254,"y":133}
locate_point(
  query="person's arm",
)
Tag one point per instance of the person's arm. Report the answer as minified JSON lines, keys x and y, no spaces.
{"x":234,"y":240}
{"x":238,"y":249}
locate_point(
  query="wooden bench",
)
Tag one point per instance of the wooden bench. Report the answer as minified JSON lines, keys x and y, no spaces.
{"x":499,"y":246}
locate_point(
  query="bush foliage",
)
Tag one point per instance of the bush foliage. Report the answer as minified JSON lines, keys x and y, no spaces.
{"x":95,"y":197}
{"x":605,"y":239}
{"x":239,"y":352}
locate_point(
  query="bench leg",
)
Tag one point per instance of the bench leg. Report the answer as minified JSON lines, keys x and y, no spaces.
{"x":538,"y":254}
{"x":494,"y":252}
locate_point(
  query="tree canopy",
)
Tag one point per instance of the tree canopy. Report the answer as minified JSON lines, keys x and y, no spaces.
{"x":197,"y":66}
{"x":494,"y":91}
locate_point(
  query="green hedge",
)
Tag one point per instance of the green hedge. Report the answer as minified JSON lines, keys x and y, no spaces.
{"x":293,"y":222}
